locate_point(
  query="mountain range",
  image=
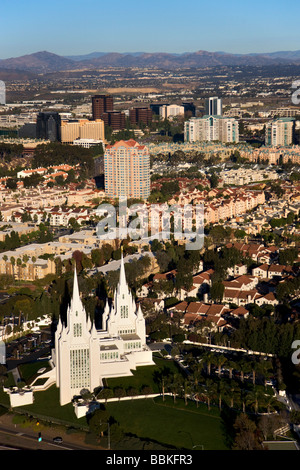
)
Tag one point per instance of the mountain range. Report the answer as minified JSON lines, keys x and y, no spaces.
{"x":45,"y":62}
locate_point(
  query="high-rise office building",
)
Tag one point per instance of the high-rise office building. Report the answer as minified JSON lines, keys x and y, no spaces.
{"x":280,"y":132}
{"x":127,"y":170}
{"x":213,"y":106}
{"x":211,"y":128}
{"x":103,"y":108}
{"x":115,"y":119}
{"x":138,"y":115}
{"x":101,"y":104}
{"x":48,"y":126}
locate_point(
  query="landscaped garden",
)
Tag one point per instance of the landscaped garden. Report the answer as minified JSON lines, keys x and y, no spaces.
{"x":175,"y":424}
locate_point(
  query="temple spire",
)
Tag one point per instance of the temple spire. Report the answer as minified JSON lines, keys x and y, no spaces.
{"x":75,"y":296}
{"x":122,"y":280}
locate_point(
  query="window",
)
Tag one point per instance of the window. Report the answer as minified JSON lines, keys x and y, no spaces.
{"x":79,"y":368}
{"x":124,"y":311}
{"x":77,"y":330}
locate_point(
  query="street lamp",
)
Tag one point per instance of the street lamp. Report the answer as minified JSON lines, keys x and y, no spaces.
{"x":108,"y":436}
{"x":190,"y":436}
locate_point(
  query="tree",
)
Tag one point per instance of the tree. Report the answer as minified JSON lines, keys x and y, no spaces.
{"x":13,"y":262}
{"x":220,"y":361}
{"x":254,"y":398}
{"x":288,"y":256}
{"x":98,"y":422}
{"x":214,"y":180}
{"x":233,"y":393}
{"x":217,"y":291}
{"x":210,"y":391}
{"x":222,"y":390}
{"x":246,"y":437}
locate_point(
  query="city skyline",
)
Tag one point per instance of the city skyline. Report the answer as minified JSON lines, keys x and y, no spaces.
{"x":255,"y":28}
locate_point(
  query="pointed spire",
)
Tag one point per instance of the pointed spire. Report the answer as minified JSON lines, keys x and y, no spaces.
{"x":122,"y":280}
{"x":75,"y":296}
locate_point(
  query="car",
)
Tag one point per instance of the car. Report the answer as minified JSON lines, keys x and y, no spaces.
{"x":57,"y":439}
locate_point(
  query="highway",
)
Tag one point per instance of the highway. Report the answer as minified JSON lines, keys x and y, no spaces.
{"x":14,"y":439}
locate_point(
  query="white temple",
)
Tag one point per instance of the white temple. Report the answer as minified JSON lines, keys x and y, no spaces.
{"x":83,"y":355}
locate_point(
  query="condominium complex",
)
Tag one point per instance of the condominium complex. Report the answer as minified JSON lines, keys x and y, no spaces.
{"x":280,"y":132}
{"x":127,"y":170}
{"x":82,"y":129}
{"x":211,"y":128}
{"x":213,"y":106}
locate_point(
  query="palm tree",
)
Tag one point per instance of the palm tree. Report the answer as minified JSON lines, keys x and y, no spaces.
{"x":220,"y":361}
{"x":233,"y":393}
{"x":243,"y":398}
{"x":231,"y":365}
{"x":13,"y":262}
{"x":222,"y":390}
{"x":197,"y":372}
{"x":175,"y":385}
{"x":264,"y":368}
{"x":210,"y":391}
{"x":5,"y":258}
{"x":244,"y":366}
{"x":270,"y":402}
{"x":254,"y":398}
{"x":208,"y":358}
{"x":187,"y":387}
{"x":19,"y":264}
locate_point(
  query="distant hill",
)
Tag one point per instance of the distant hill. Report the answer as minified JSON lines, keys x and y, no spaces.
{"x":45,"y":62}
{"x":40,"y":62}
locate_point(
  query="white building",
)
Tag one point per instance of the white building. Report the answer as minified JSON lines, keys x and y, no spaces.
{"x":170,"y":111}
{"x":213,"y":106}
{"x":83,"y":356}
{"x":88,"y":143}
{"x":280,"y":132}
{"x":211,"y":128}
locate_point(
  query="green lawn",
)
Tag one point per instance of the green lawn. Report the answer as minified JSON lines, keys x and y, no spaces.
{"x":46,"y":404}
{"x":28,"y":371}
{"x":166,"y":422}
{"x":146,"y":375}
{"x":181,"y":426}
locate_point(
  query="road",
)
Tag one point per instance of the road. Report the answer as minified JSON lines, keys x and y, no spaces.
{"x":15,"y":437}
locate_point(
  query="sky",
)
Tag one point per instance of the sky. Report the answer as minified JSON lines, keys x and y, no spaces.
{"x":67,"y":27}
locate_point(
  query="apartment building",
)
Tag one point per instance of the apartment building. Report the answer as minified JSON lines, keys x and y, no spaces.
{"x":280,"y":132}
{"x":127,"y":170}
{"x":211,"y":128}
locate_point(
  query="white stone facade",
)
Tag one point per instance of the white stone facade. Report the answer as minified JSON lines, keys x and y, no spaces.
{"x":84,"y":356}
